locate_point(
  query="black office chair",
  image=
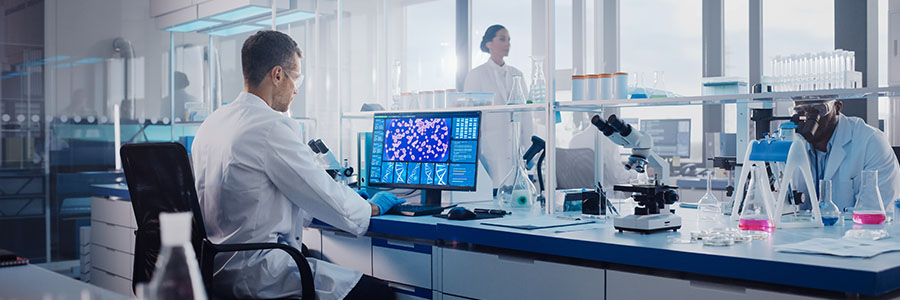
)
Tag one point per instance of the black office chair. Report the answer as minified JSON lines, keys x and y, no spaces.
{"x":160,"y":179}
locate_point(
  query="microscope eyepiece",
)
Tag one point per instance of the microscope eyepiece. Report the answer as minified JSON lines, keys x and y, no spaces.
{"x":623,"y":128}
{"x":312,"y":145}
{"x":602,"y":125}
{"x":321,"y":145}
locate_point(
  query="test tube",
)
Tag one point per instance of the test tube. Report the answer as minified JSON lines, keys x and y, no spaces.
{"x":620,"y":85}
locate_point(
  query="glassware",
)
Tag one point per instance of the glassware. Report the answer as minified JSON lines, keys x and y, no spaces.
{"x":397,"y":102}
{"x":709,"y":206}
{"x":638,"y":91}
{"x":830,"y":212}
{"x":177,"y":274}
{"x":517,"y":93}
{"x":538,"y":89}
{"x":516,"y":190}
{"x":755,"y":215}
{"x":659,"y":85}
{"x":869,"y":208}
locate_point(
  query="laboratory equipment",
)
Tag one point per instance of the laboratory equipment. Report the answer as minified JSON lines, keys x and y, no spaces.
{"x":538,"y":89}
{"x":756,"y":212}
{"x":177,"y":273}
{"x":784,"y":155}
{"x":606,"y":86}
{"x":517,"y":92}
{"x":537,"y":146}
{"x":869,"y":208}
{"x":426,"y":100}
{"x":814,"y":71}
{"x":709,"y":207}
{"x":327,"y":160}
{"x":578,"y":87}
{"x":830,"y":212}
{"x":396,"y":95}
{"x":592,"y":86}
{"x":659,"y":85}
{"x":516,"y":190}
{"x":638,"y":88}
{"x":440,"y":99}
{"x":654,"y":210}
{"x":620,"y":85}
{"x":671,"y":137}
{"x":428,"y":151}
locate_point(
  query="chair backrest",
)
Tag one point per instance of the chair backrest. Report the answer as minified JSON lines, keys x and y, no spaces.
{"x":159,"y":180}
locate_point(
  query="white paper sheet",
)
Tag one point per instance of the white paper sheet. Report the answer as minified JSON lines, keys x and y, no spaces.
{"x":840,"y":247}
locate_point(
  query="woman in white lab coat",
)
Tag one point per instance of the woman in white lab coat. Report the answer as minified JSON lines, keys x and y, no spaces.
{"x":496,"y":76}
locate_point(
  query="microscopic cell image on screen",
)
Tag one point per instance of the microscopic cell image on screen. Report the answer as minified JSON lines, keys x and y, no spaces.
{"x":417,"y":140}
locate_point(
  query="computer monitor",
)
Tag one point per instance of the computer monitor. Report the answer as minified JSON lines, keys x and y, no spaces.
{"x":671,"y":137}
{"x":431,"y":151}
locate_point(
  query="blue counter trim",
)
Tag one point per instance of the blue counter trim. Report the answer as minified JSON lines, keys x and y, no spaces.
{"x":419,"y":248}
{"x":106,"y":190}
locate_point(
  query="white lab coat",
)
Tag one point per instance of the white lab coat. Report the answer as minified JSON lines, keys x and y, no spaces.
{"x":855,"y":147}
{"x":495,"y":150}
{"x":258,"y":182}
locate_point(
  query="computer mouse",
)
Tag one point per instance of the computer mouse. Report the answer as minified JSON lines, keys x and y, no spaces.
{"x":460,"y":213}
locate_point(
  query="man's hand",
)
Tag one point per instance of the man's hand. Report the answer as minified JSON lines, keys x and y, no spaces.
{"x":383,"y":201}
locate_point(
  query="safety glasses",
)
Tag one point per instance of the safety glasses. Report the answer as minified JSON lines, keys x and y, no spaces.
{"x":822,"y":108}
{"x":296,"y":77}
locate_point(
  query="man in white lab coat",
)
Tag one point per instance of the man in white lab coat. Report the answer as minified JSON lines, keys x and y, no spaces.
{"x":258,"y":182}
{"x":840,"y":147}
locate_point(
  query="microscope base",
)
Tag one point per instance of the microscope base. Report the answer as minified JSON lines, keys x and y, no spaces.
{"x":647,"y":223}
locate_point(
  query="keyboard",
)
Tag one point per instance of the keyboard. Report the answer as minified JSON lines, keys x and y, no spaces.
{"x":418,"y":209}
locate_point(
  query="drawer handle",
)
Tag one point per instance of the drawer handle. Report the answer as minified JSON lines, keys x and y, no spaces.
{"x":401,"y":287}
{"x":718,"y":287}
{"x":401,"y":244}
{"x":344,"y":234}
{"x":516,"y":259}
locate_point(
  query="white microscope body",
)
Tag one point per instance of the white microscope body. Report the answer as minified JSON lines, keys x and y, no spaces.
{"x":654,"y":211}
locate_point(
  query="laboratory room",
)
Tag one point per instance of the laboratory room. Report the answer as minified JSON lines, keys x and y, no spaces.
{"x":449,"y":149}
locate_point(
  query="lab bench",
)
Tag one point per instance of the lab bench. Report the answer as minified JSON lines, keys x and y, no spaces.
{"x":433,"y":258}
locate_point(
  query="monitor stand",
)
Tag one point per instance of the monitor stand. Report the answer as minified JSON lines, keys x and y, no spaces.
{"x":431,"y":197}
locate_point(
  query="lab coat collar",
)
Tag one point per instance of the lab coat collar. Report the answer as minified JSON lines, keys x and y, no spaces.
{"x":250,"y":98}
{"x":841,"y":138}
{"x":495,"y":65}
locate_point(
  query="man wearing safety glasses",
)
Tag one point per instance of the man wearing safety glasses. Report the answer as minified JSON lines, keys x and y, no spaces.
{"x":840,"y":147}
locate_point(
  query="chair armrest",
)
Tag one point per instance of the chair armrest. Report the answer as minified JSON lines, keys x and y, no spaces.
{"x":306,"y":276}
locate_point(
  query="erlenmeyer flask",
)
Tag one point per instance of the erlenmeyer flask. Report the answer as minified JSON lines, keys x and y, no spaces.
{"x":830,"y":212}
{"x":516,"y":190}
{"x":869,"y":209}
{"x":517,"y":93}
{"x":538,"y":89}
{"x":709,"y":206}
{"x":755,"y":215}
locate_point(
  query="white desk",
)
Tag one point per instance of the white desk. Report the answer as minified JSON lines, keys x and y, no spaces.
{"x":33,"y":282}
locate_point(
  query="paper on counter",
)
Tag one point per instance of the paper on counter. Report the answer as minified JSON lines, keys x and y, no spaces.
{"x":536,"y":223}
{"x":840,"y":247}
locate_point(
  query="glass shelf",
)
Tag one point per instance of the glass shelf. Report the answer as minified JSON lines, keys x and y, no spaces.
{"x":842,"y":94}
{"x":485,"y":109}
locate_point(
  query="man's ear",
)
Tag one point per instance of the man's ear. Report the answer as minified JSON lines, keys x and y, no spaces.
{"x":277,"y":74}
{"x":838,"y":106}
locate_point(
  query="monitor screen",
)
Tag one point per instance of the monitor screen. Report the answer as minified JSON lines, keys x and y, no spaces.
{"x":425,"y":150}
{"x":671,"y":137}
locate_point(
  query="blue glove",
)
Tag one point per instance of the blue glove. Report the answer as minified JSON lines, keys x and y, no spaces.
{"x":363,"y":194}
{"x":385,"y":201}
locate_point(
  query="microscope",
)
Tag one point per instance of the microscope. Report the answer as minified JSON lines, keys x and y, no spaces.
{"x":326,"y":160}
{"x":654,"y":210}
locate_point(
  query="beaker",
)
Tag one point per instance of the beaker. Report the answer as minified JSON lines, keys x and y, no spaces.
{"x":869,"y":209}
{"x":755,"y":215}
{"x":830,"y":212}
{"x":709,"y":207}
{"x":517,"y":92}
{"x":538,"y":90}
{"x":516,"y":190}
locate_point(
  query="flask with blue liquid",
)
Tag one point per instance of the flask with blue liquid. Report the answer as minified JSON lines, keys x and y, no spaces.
{"x":830,"y":212}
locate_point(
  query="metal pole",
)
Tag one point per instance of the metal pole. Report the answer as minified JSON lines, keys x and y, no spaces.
{"x":550,"y":108}
{"x":172,"y":86}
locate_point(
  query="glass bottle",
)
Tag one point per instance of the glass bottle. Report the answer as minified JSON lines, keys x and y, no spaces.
{"x":516,"y":190}
{"x":869,"y":209}
{"x":517,"y":93}
{"x":396,"y":101}
{"x":659,"y":85}
{"x":538,"y":89}
{"x":709,"y":206}
{"x":830,"y":212}
{"x":177,"y":274}
{"x":755,"y":215}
